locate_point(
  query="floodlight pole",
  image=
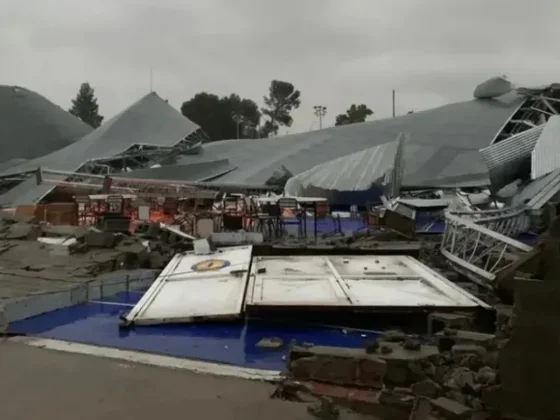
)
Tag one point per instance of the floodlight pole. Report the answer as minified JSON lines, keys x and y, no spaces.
{"x":237,"y":119}
{"x":320,"y":111}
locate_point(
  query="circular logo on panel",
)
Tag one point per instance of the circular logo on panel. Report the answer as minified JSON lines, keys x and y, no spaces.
{"x":210,"y":265}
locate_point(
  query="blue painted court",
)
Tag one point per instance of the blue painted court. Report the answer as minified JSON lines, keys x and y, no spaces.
{"x":230,"y":343}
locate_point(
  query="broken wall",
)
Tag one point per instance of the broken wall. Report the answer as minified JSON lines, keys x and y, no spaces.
{"x":529,"y":362}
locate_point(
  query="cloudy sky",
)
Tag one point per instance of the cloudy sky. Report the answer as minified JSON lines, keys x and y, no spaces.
{"x":336,"y":52}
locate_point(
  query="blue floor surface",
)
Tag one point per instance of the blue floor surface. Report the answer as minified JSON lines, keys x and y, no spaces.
{"x":231,"y":343}
{"x":327,"y":226}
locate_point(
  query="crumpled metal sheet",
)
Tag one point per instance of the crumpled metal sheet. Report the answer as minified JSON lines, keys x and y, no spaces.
{"x":509,"y":159}
{"x":545,"y":157}
{"x":150,"y":121}
{"x":444,"y":144}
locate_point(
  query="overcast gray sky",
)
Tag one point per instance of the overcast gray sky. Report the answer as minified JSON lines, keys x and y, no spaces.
{"x":336,"y":52}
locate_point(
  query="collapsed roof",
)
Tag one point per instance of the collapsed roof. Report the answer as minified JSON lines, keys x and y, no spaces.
{"x":149,"y":124}
{"x":443,"y":148}
{"x":32,"y":126}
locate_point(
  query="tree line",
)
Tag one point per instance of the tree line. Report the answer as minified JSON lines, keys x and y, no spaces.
{"x":230,"y":116}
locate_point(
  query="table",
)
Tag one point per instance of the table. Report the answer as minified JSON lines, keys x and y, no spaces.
{"x":305,"y":202}
{"x":300,"y":200}
{"x":101,"y":197}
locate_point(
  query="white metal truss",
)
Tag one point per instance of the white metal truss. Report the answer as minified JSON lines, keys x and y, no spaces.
{"x":510,"y":221}
{"x":139,"y":187}
{"x":479,"y":252}
{"x":538,"y":106}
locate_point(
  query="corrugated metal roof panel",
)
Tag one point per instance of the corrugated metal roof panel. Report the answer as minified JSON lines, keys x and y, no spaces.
{"x":458,"y":128}
{"x":508,"y":159}
{"x":545,"y":157}
{"x":464,"y":126}
{"x":357,"y":171}
{"x":149,"y":121}
{"x":195,"y":172}
{"x":425,"y":202}
{"x":538,"y":192}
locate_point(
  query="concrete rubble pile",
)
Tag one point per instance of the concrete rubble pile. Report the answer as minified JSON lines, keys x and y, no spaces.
{"x":399,"y":375}
{"x":455,"y":372}
{"x":39,"y":258}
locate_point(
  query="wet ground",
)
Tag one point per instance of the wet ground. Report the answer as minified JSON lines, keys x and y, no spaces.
{"x":40,"y":384}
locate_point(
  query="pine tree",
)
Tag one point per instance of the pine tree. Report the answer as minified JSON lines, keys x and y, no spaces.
{"x":85,"y":106}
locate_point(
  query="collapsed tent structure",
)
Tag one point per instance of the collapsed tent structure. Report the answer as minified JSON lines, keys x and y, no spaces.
{"x":471,"y":144}
{"x":150,"y":132}
{"x":31,"y":126}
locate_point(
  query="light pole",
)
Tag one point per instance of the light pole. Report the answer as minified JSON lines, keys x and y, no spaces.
{"x":238,"y":119}
{"x":320,"y":111}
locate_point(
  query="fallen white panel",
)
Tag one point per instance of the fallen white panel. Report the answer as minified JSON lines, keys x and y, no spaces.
{"x":293,"y":281}
{"x":58,"y":246}
{"x":195,"y":287}
{"x":352,"y":281}
{"x":176,"y":231}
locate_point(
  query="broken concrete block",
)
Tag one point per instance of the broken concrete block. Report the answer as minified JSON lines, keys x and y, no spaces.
{"x":405,"y":367}
{"x":475,"y":403}
{"x":358,"y":399}
{"x":491,"y":359}
{"x":426,"y":388}
{"x":393,"y":336}
{"x":488,"y":341}
{"x":324,"y":409}
{"x":460,"y":349}
{"x":157,"y":260}
{"x":412,"y":344}
{"x":471,"y":361}
{"x":421,"y":410}
{"x":504,"y":316}
{"x":337,"y":365}
{"x":131,"y":245}
{"x":59,"y":246}
{"x":462,"y":379}
{"x":386,"y":349}
{"x":438,"y":321}
{"x":456,"y":396}
{"x":441,"y":372}
{"x":236,"y":238}
{"x":486,"y":376}
{"x":22,"y":231}
{"x":270,"y":343}
{"x":7,"y":218}
{"x":202,"y":247}
{"x":64,"y":231}
{"x":451,"y":410}
{"x":97,"y":239}
{"x":135,"y":253}
{"x":372,"y":347}
{"x":400,"y":399}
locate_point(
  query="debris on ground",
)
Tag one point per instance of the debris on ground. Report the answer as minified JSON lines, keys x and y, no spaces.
{"x":39,"y":257}
{"x":475,"y":376}
{"x":324,"y":409}
{"x":270,"y":343}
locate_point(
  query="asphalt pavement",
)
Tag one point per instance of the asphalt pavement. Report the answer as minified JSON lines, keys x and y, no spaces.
{"x":41,"y":384}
